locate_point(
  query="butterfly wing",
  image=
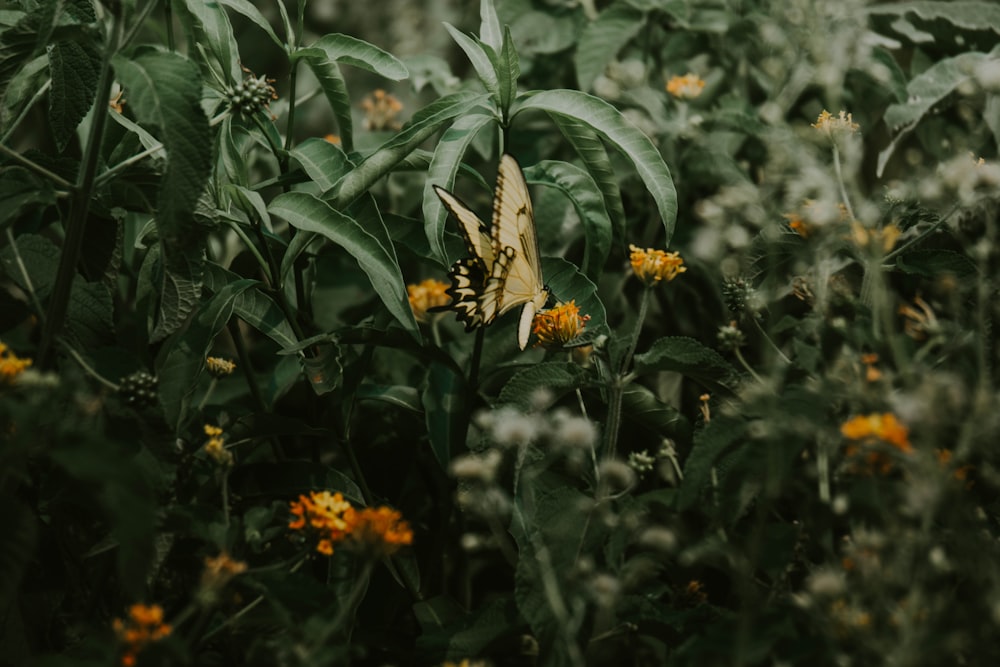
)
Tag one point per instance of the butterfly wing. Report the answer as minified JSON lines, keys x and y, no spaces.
{"x":475,"y":232}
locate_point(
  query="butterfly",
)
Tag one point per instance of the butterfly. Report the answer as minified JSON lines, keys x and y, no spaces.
{"x":504,"y":269}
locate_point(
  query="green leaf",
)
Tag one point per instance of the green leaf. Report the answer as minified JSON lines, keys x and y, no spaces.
{"x":567,"y":283}
{"x":489,"y":26}
{"x":613,"y":127}
{"x":931,"y":86}
{"x":445,"y":398}
{"x":308,"y":213}
{"x":184,"y":361}
{"x":688,"y":357}
{"x":602,"y":39}
{"x":587,"y":199}
{"x":558,"y":377}
{"x":247,"y":9}
{"x":642,"y":408}
{"x":21,"y":89}
{"x":508,"y":69}
{"x":358,"y":53}
{"x":718,"y":437}
{"x":443,"y":168}
{"x":335,"y":88}
{"x":399,"y":396}
{"x":21,"y":190}
{"x":211,"y":29}
{"x":595,"y":158}
{"x":289,"y":479}
{"x":424,"y":123}
{"x":966,"y":15}
{"x":90,"y":315}
{"x":253,"y":307}
{"x":325,"y":163}
{"x":477,"y":54}
{"x":538,"y":29}
{"x":75,"y":67}
{"x":165,"y":90}
{"x":935,"y":263}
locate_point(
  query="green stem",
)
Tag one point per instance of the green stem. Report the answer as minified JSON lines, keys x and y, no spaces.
{"x":24,"y":112}
{"x":745,"y":365}
{"x":28,"y":285}
{"x":208,"y":393}
{"x":37,"y":168}
{"x":346,"y":609}
{"x":90,"y":371}
{"x":840,"y":182}
{"x":924,"y":234}
{"x":137,"y":24}
{"x":76,"y":225}
{"x":230,"y":620}
{"x":620,"y":380}
{"x":125,"y":164}
{"x":168,"y":19}
{"x":290,"y":124}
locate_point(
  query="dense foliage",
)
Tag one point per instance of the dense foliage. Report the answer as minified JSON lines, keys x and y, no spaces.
{"x":758,"y":423}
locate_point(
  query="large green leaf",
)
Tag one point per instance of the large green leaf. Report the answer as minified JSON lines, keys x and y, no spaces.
{"x":478,"y":55}
{"x":688,"y":357}
{"x":718,"y":437}
{"x":444,"y":166}
{"x":602,"y":39}
{"x":212,"y":30}
{"x":931,"y":86}
{"x":325,"y":163}
{"x":359,"y":53}
{"x":247,"y":9}
{"x":184,"y":361}
{"x":567,"y":284}
{"x":508,"y":69}
{"x":423,"y":124}
{"x":253,"y":307}
{"x":74,"y":67}
{"x":614,"y":128}
{"x":490,"y":31}
{"x":332,"y":82}
{"x":595,"y":158}
{"x":445,"y":398}
{"x":311,"y":214}
{"x":587,"y":199}
{"x":164,"y":91}
{"x":557,"y":377}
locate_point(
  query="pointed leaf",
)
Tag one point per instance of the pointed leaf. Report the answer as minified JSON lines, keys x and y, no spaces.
{"x":508,"y":69}
{"x":613,"y":127}
{"x":489,"y":25}
{"x":358,"y":53}
{"x":443,"y":168}
{"x":477,"y":54}
{"x":602,"y":39}
{"x":247,"y":9}
{"x":75,"y":67}
{"x":588,"y":201}
{"x":335,"y":88}
{"x":213,"y":30}
{"x":308,"y":213}
{"x":253,"y":307}
{"x":325,"y":163}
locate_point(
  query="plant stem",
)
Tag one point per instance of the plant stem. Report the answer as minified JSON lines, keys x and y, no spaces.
{"x":39,"y":310}
{"x":840,"y":181}
{"x":90,"y":371}
{"x":125,"y":164}
{"x":24,"y":112}
{"x":346,"y":609}
{"x":37,"y":168}
{"x":168,"y":19}
{"x":620,"y":380}
{"x":76,"y":225}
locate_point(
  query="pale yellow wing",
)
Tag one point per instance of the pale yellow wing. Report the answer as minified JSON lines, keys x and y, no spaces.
{"x":474,"y":231}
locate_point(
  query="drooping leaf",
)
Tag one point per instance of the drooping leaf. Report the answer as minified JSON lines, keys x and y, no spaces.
{"x":253,"y":307}
{"x":595,"y":158}
{"x":478,"y":54}
{"x":308,"y":213}
{"x":358,"y":53}
{"x":184,"y":361}
{"x":443,"y":168}
{"x":211,"y":29}
{"x":587,"y":199}
{"x":332,"y":82}
{"x":962,"y":14}
{"x":931,"y":86}
{"x":614,"y":128}
{"x":247,"y":9}
{"x":165,"y":91}
{"x":325,"y":163}
{"x":602,"y":39}
{"x":75,"y":67}
{"x":423,"y":124}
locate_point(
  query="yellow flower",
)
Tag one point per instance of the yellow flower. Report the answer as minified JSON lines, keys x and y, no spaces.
{"x":920,"y":319}
{"x":381,"y":110}
{"x":833,"y":126}
{"x":215,"y":447}
{"x":378,"y":531}
{"x":557,"y":326}
{"x":11,"y":365}
{"x":143,"y":626}
{"x":321,"y":513}
{"x":884,"y":238}
{"x":426,"y":295}
{"x":685,"y":87}
{"x":219,"y":367}
{"x":871,"y":429}
{"x":652,"y":266}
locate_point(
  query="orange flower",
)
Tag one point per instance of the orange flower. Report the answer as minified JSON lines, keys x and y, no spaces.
{"x":426,"y":295}
{"x":920,"y":319}
{"x":685,"y":87}
{"x":872,"y":374}
{"x":869,"y":430}
{"x":323,"y":514}
{"x":381,"y":110}
{"x":378,"y":531}
{"x":652,"y":266}
{"x":333,"y":139}
{"x":215,"y":447}
{"x":11,"y":365}
{"x":557,"y":326}
{"x":143,"y":626}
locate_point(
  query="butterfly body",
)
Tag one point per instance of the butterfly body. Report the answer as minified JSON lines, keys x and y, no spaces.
{"x":504,"y":267}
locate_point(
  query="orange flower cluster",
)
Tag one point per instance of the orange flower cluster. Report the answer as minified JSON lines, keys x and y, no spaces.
{"x":381,"y":110}
{"x":557,"y":326}
{"x":425,"y":295}
{"x":379,"y":531}
{"x":652,"y":266}
{"x":868,"y":430}
{"x":10,"y":365}
{"x":143,"y":626}
{"x":685,"y":87}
